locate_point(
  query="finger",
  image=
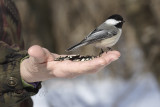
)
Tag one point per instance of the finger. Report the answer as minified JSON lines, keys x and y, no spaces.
{"x":39,"y":54}
{"x":77,"y":68}
{"x":97,"y":63}
{"x":110,"y":56}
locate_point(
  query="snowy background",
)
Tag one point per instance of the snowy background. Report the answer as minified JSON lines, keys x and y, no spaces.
{"x":86,"y":91}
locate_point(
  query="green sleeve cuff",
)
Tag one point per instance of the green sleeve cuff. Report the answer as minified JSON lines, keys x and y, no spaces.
{"x":25,"y":84}
{"x":26,"y":57}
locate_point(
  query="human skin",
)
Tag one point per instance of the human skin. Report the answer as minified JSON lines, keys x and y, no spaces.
{"x":40,"y":66}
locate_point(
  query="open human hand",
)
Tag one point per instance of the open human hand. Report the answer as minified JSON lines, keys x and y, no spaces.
{"x":40,"y":66}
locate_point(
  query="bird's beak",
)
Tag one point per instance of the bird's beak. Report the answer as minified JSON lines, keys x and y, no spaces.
{"x":123,"y":21}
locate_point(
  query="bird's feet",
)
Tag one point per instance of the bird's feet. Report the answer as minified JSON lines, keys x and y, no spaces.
{"x":101,"y":52}
{"x":109,"y":49}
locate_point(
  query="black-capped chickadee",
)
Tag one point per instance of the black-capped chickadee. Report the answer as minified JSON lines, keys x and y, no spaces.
{"x":104,"y":36}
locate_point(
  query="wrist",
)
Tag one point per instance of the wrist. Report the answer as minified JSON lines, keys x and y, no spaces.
{"x":24,"y":72}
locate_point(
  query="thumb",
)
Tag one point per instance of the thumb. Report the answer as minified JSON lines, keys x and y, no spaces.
{"x":39,"y":54}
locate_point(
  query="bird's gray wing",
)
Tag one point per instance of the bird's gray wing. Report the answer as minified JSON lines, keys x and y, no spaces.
{"x":99,"y":34}
{"x":96,"y":30}
{"x":95,"y":36}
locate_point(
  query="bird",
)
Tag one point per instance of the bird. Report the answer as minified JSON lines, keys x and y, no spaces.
{"x":105,"y":35}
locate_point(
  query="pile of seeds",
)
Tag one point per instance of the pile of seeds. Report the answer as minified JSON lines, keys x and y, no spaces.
{"x":75,"y":58}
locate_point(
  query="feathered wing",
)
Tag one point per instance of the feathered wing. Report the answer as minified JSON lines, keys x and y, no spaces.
{"x":76,"y":46}
{"x":99,"y":35}
{"x":95,"y":36}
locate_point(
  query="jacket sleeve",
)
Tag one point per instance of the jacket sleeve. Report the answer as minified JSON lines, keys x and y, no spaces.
{"x":12,"y":90}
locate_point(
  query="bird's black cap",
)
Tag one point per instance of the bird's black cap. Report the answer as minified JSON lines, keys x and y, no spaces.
{"x":116,"y":17}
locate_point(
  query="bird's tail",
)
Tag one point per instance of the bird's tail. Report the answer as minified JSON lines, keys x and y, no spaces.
{"x":76,"y":46}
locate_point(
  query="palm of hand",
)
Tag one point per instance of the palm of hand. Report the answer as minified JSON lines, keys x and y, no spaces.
{"x":41,"y":66}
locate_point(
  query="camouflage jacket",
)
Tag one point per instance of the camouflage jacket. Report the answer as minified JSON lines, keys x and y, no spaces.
{"x":12,"y":89}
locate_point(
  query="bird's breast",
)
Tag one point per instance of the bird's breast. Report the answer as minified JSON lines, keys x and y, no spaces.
{"x":108,"y":42}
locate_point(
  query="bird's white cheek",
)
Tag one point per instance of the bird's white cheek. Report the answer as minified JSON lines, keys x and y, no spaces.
{"x":111,"y":22}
